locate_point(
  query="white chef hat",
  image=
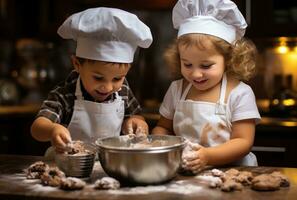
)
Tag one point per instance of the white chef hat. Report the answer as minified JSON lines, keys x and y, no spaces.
{"x":220,"y":18}
{"x":106,"y":34}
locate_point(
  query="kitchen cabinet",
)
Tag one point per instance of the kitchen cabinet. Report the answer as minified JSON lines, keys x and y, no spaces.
{"x":275,"y":142}
{"x":269,"y":18}
{"x":15,"y":137}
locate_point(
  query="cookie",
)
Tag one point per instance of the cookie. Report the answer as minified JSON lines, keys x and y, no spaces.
{"x":72,"y":183}
{"x":265,"y":182}
{"x":244,"y":177}
{"x":35,"y":170}
{"x":52,"y":177}
{"x":231,"y":185}
{"x":107,"y":183}
{"x":284,"y":181}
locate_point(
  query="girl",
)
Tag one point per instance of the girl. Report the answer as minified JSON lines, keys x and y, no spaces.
{"x":210,"y":105}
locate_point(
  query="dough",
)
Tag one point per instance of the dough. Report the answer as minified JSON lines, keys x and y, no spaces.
{"x":211,"y":181}
{"x":72,"y":183}
{"x":52,"y":177}
{"x":217,"y":173}
{"x":266,"y":182}
{"x":232,"y":172}
{"x":36,"y":170}
{"x":107,"y":183}
{"x":284,"y":181}
{"x":244,"y":177}
{"x":76,"y":147}
{"x":230,"y":185}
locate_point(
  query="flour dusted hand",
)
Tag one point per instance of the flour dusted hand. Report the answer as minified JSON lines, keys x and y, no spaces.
{"x":60,"y":137}
{"x":135,"y":125}
{"x":193,"y":158}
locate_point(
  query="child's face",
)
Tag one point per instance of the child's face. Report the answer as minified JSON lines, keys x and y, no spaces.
{"x":101,"y":79}
{"x":204,"y":68}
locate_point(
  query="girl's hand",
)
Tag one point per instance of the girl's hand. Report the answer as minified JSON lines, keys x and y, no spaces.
{"x":135,"y":125}
{"x":196,"y":161}
{"x":194,"y":158}
{"x":60,"y":137}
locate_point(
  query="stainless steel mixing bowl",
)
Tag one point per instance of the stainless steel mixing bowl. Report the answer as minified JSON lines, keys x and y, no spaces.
{"x":77,"y":165}
{"x":140,"y":166}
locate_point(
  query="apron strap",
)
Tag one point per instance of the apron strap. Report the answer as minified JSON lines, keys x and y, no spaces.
{"x":220,"y":109}
{"x":223,"y":89}
{"x":78,"y":92}
{"x":183,"y":97}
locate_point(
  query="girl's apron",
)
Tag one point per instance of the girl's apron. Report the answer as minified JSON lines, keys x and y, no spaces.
{"x":206,"y":123}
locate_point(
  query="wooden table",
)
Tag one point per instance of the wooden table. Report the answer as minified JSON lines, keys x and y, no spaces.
{"x":14,"y":185}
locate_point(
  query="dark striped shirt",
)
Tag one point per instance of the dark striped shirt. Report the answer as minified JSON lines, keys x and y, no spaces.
{"x":58,"y":107}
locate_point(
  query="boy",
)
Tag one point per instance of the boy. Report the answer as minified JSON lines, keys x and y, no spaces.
{"x":95,"y":98}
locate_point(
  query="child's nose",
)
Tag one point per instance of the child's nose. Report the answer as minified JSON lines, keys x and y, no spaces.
{"x":197,"y":73}
{"x":106,"y":87}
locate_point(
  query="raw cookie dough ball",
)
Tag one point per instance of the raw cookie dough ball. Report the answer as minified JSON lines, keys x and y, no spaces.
{"x":107,"y":183}
{"x":265,"y":182}
{"x":52,"y":177}
{"x":35,"y":170}
{"x":284,"y":181}
{"x":76,"y":147}
{"x":72,"y":183}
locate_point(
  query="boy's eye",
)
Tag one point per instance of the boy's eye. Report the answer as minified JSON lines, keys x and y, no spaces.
{"x":118,"y":78}
{"x":98,"y":78}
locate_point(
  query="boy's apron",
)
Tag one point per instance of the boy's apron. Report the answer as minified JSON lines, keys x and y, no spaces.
{"x":91,"y":120}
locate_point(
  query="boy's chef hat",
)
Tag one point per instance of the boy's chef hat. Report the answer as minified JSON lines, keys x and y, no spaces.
{"x":106,"y":34}
{"x":220,"y":18}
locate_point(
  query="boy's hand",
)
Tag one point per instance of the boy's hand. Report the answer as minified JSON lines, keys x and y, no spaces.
{"x":135,"y":125}
{"x":60,"y":137}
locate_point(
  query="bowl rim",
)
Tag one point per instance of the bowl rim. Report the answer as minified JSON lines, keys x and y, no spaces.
{"x":141,"y":150}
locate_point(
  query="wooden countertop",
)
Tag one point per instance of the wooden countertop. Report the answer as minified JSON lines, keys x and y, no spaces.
{"x":14,"y":185}
{"x":19,"y":109}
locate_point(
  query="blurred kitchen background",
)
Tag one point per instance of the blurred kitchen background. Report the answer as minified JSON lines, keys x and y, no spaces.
{"x":33,"y":59}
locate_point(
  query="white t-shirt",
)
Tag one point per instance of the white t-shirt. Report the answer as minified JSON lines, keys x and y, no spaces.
{"x":241,"y":103}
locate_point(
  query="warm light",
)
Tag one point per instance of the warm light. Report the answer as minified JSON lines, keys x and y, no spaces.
{"x":289,"y":102}
{"x":282,"y":49}
{"x":288,"y":124}
{"x":290,"y":172}
{"x":295,"y":49}
{"x":275,"y":102}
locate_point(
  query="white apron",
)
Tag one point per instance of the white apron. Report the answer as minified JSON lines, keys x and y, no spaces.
{"x":206,"y":123}
{"x":91,"y":120}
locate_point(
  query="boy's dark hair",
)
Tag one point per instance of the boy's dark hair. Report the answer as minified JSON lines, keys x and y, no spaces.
{"x":83,"y":60}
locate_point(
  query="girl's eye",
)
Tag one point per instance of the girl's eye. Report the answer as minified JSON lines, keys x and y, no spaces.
{"x":187,"y":65}
{"x":206,"y":66}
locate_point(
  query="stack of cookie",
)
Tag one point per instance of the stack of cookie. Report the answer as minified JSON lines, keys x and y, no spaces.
{"x":234,"y":179}
{"x":53,"y":176}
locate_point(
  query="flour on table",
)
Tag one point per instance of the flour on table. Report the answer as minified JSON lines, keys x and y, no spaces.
{"x":178,"y":187}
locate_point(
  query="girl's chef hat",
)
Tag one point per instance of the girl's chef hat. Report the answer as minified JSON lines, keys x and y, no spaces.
{"x":220,"y":18}
{"x":106,"y":34}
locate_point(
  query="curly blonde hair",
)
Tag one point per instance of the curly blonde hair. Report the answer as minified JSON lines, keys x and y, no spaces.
{"x":240,"y":58}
